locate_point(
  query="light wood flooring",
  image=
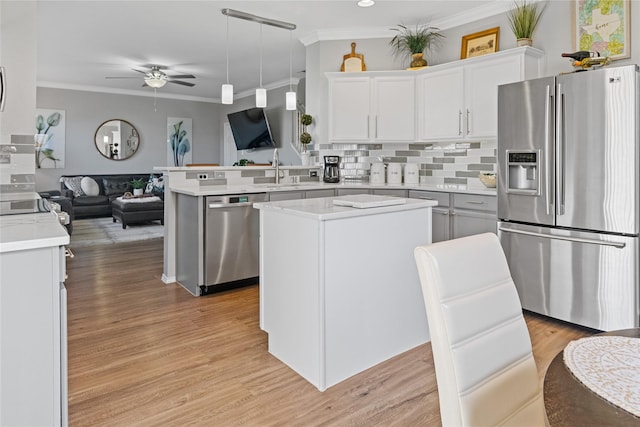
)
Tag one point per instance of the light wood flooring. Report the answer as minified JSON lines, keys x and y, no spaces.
{"x":145,"y":353}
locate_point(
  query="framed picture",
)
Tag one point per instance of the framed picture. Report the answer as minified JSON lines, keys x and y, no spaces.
{"x":603,"y":26}
{"x":480,"y":43}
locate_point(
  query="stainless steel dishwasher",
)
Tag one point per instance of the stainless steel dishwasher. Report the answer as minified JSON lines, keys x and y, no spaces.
{"x":231,"y":244}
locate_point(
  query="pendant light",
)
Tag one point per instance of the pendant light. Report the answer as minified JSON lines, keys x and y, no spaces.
{"x":261,"y":93}
{"x":227,"y":89}
{"x":290,"y":97}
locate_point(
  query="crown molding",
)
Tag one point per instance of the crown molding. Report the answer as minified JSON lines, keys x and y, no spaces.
{"x":110,"y":90}
{"x":159,"y":93}
{"x":475,"y":14}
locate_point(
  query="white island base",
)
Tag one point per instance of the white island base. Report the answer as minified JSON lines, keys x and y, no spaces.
{"x":339,"y":289}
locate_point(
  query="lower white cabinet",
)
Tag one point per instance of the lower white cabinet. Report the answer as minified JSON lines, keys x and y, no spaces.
{"x":314,"y":194}
{"x":351,"y":191}
{"x":33,"y":338}
{"x":390,"y":192}
{"x":459,"y":215}
{"x":286,"y":195}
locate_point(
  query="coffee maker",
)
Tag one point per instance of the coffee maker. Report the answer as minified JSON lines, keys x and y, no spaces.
{"x":331,"y":169}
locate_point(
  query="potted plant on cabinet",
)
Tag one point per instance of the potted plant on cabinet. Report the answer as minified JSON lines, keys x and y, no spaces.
{"x":138,"y":185}
{"x":523,"y":19}
{"x":305,"y":137}
{"x":415,"y":41}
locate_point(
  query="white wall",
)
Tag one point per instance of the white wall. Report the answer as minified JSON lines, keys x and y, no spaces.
{"x":85,"y":111}
{"x":280,"y":122}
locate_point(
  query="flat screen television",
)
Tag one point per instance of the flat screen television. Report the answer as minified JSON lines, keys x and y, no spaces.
{"x":251,"y":129}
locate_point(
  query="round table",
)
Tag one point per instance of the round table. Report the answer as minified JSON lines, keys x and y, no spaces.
{"x":569,"y":403}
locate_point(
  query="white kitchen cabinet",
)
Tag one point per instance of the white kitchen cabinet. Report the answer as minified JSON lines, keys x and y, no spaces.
{"x":442,"y":104}
{"x":460,"y":100}
{"x":33,"y":337}
{"x":349,"y":103}
{"x":379,"y":108}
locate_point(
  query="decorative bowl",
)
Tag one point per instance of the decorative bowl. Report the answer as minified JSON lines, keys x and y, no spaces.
{"x":488,"y":179}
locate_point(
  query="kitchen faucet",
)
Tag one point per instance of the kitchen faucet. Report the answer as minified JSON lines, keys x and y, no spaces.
{"x":276,"y":164}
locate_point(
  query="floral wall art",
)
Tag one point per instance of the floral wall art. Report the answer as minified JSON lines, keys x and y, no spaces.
{"x":49,"y":138}
{"x":179,"y":140}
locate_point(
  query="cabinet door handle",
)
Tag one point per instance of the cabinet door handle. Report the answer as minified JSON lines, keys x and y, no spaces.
{"x":473,"y":202}
{"x":460,"y":122}
{"x":468,"y":126}
{"x":368,"y":126}
{"x":376,"y":126}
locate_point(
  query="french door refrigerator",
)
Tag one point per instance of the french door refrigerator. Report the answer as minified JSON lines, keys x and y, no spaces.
{"x":568,"y":194}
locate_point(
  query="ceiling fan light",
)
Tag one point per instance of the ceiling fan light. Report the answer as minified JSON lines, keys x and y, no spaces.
{"x":227,"y":94}
{"x":366,"y":3}
{"x":291,"y":100}
{"x":261,"y":98}
{"x":155,"y":82}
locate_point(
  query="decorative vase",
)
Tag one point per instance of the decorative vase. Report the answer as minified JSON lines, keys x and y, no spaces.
{"x":524,"y":42}
{"x":305,"y":157}
{"x":137,"y":191}
{"x":417,"y":60}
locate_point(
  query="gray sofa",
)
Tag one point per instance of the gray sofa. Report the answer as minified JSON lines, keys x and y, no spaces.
{"x":110,"y":188}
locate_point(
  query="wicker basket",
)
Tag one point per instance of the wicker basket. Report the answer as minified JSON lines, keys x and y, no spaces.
{"x":489,"y":180}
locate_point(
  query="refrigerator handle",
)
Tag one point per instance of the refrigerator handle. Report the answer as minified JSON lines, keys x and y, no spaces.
{"x":560,"y":149}
{"x":618,"y":245}
{"x":547,"y":148}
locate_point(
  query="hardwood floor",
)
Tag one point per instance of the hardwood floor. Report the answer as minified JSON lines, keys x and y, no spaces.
{"x":145,"y":353}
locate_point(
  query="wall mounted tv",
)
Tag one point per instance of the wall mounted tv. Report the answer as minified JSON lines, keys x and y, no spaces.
{"x":251,"y":129}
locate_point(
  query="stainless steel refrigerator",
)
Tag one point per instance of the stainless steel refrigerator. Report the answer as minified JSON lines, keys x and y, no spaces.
{"x":568,"y":194}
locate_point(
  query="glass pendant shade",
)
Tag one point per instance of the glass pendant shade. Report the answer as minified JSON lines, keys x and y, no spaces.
{"x":261,"y":98}
{"x":291,"y":100}
{"x":155,"y":82}
{"x":227,"y":94}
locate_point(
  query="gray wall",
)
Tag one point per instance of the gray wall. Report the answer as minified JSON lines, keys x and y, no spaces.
{"x":85,"y":111}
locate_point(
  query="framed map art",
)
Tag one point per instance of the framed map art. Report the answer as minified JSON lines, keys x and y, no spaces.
{"x":603,"y":26}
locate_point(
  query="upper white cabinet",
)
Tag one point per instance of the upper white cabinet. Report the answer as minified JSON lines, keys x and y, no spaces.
{"x":349,"y":103}
{"x":456,"y":100}
{"x":461,"y":100}
{"x":380,"y":108}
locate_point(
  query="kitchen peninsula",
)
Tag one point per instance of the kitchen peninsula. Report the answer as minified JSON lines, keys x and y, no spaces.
{"x":339,"y":292}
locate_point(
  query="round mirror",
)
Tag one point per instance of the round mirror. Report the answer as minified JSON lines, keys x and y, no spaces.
{"x":117,"y":139}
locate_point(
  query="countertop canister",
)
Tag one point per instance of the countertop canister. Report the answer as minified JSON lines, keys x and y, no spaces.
{"x":411,"y":173}
{"x":394,"y":173}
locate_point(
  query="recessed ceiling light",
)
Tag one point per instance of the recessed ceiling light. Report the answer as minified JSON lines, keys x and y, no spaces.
{"x":366,"y":3}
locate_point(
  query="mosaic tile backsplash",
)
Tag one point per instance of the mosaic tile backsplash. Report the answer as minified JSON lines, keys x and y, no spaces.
{"x":440,"y":163}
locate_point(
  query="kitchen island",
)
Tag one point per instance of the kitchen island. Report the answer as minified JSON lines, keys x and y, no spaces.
{"x":339,"y":291}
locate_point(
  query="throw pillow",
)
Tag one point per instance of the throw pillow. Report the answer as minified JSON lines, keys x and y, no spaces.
{"x":74,"y":184}
{"x":155,"y":185}
{"x":89,"y":186}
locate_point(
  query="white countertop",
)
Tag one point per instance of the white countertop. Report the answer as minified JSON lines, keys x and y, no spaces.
{"x":323,"y":209}
{"x":217,"y":190}
{"x":31,"y":231}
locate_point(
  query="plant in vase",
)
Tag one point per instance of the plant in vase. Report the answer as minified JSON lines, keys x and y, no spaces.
{"x":415,"y":41}
{"x":524,"y":19}
{"x":138,"y":186}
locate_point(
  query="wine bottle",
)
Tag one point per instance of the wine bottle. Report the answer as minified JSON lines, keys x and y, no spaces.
{"x":580,"y":55}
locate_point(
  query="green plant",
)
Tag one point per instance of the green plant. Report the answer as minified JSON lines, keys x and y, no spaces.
{"x":244,"y":162}
{"x":138,"y":183}
{"x":305,"y":137}
{"x":414,"y":40}
{"x":524,"y":18}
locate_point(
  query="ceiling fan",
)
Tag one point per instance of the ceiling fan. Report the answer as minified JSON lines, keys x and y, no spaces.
{"x":156,"y":78}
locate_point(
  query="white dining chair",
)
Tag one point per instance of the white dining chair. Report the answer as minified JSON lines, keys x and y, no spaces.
{"x":485,"y":369}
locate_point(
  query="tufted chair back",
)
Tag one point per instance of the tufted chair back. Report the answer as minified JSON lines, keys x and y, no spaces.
{"x":485,"y":369}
